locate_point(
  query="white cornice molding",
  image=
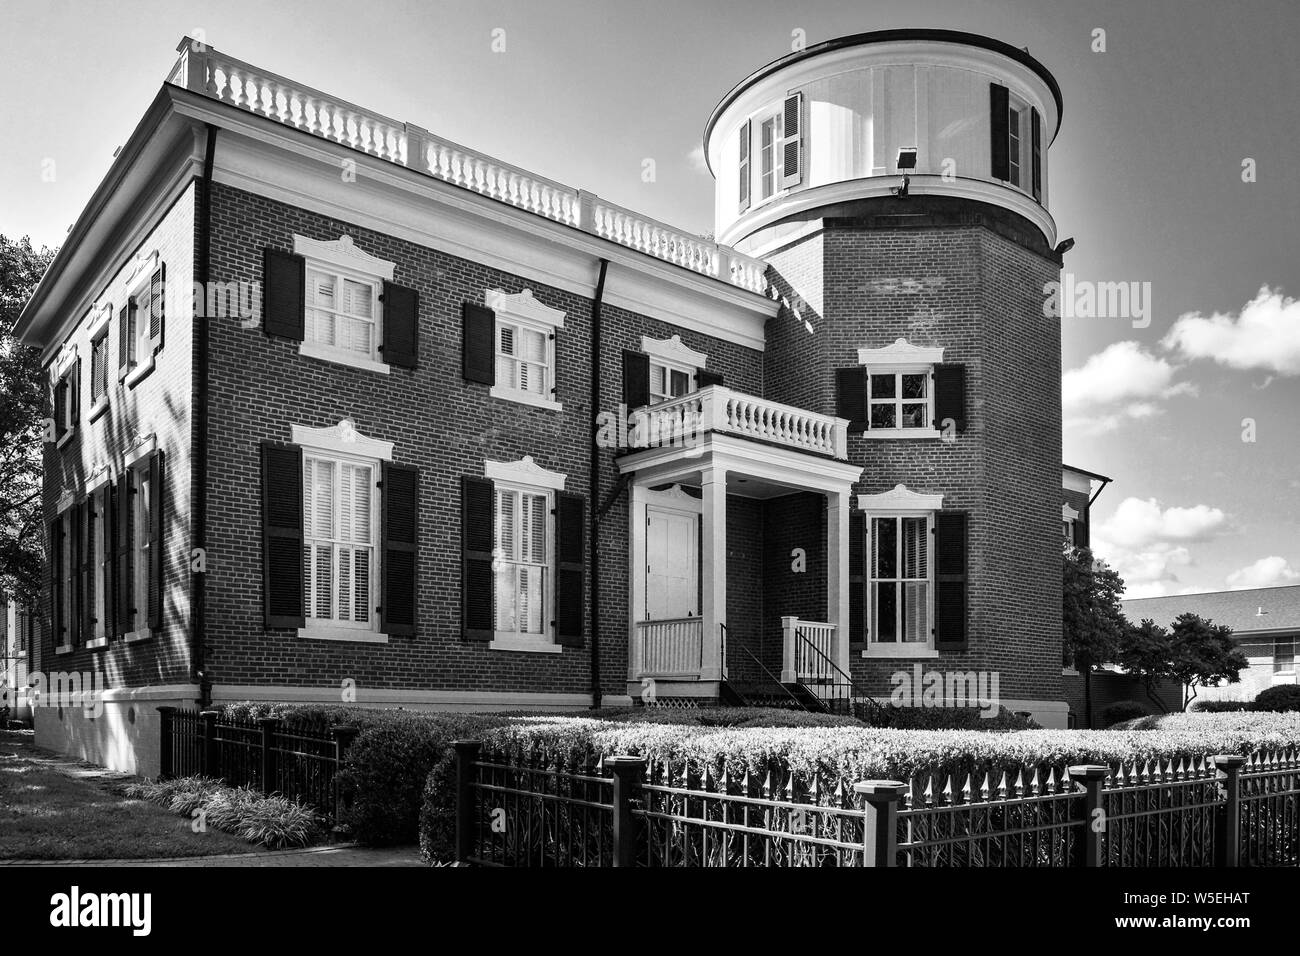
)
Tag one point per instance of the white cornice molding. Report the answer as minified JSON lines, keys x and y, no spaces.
{"x":67,"y":357}
{"x":899,"y":499}
{"x":672,"y":349}
{"x":343,"y":438}
{"x":523,"y":305}
{"x":673,"y":497}
{"x":343,"y":252}
{"x":525,"y":471}
{"x":142,"y":265}
{"x":100,"y":316}
{"x":901,"y":352}
{"x":141,"y":445}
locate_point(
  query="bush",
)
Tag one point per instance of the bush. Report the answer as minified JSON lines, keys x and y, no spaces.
{"x":1218,"y":706}
{"x":945,"y":718}
{"x":271,"y":821}
{"x":1121,"y":711}
{"x":1281,"y":698}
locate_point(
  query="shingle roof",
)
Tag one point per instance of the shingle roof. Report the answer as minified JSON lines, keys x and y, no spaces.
{"x":1237,"y":609}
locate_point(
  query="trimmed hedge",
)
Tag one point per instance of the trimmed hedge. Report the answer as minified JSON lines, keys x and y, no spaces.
{"x":1121,"y":711}
{"x":1218,"y":706}
{"x":1281,"y":698}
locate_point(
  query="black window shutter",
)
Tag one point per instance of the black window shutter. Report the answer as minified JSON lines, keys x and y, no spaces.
{"x":60,"y":407}
{"x":125,"y":602}
{"x":951,"y":580}
{"x":77,"y":552}
{"x":109,"y":579}
{"x":636,"y":379}
{"x":74,"y":392}
{"x":156,"y":498}
{"x":704,"y":378}
{"x":743,"y":172}
{"x":123,"y":340}
{"x":1036,"y":141}
{"x":401,"y":325}
{"x":1081,"y":524}
{"x":851,"y":396}
{"x":282,"y":564}
{"x":478,"y":538}
{"x":88,"y":569}
{"x":400,"y":544}
{"x":999,"y":107}
{"x":857,"y":580}
{"x":284,"y":293}
{"x":157,"y":298}
{"x":950,"y":396}
{"x":56,"y":579}
{"x":478,"y":343}
{"x":570,"y":531}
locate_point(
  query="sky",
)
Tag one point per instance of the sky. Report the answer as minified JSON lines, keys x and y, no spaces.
{"x":1188,"y":403}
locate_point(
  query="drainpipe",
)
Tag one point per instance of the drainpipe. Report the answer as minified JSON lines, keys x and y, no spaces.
{"x":199,"y":452}
{"x":595,"y":485}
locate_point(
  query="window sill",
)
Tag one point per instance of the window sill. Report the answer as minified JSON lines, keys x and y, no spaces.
{"x":897,"y":433}
{"x":65,"y":438}
{"x":97,"y":643}
{"x":135,"y":636}
{"x":524,"y":398}
{"x":529,"y":645}
{"x":97,"y":410}
{"x":65,"y":649}
{"x":353,"y":635}
{"x":901,"y":651}
{"x":139,"y":373}
{"x":339,"y":357}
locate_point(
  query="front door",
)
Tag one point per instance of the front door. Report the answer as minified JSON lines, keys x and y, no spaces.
{"x":672,"y":572}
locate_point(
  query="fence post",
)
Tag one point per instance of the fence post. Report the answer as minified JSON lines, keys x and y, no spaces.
{"x":1227,"y":822}
{"x":269,"y":725}
{"x":343,"y":737}
{"x":165,"y":731}
{"x":628,"y":772}
{"x":1091,"y":777}
{"x":467,"y":752}
{"x":211,"y":758}
{"x":880,"y":820}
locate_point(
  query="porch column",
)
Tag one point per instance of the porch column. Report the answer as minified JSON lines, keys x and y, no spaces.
{"x":636,"y":584}
{"x":713,"y":484}
{"x":837,"y":572}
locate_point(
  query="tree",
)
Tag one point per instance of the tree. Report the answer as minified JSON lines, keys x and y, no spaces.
{"x":1193,"y":653}
{"x":24,"y":403}
{"x":1092,"y":622}
{"x":1147,"y":652}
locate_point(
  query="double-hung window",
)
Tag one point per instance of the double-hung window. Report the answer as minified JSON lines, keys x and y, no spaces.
{"x":142,"y":503}
{"x":900,"y":399}
{"x":522,"y":562}
{"x":1284,"y":657}
{"x":668,"y":381}
{"x":767,"y":138}
{"x":339,"y":553}
{"x":523,"y":358}
{"x":342,"y":312}
{"x":523,"y":340}
{"x":899,"y":587}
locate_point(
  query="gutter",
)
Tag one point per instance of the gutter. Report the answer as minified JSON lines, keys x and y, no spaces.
{"x":199,"y":451}
{"x":595,"y":486}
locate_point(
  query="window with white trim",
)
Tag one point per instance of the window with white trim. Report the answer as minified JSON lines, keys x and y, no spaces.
{"x":99,"y":367}
{"x":524,"y":357}
{"x":68,"y":572}
{"x":768,"y":134}
{"x":141,"y":503}
{"x":65,"y":402}
{"x":523,"y":561}
{"x":340,"y":518}
{"x":1283,"y":656}
{"x":1018,"y":145}
{"x":901,"y":399}
{"x":343,"y":313}
{"x":101,"y":569}
{"x":899,"y":592}
{"x":669,"y":380}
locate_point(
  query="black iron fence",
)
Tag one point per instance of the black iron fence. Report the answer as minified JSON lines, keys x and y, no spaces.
{"x":297,"y":759}
{"x":536,"y":810}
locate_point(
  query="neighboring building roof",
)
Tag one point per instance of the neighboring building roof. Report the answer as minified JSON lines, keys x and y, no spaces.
{"x":1239,"y":610}
{"x":1086,"y":474}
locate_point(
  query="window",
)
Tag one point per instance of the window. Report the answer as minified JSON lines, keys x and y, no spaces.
{"x":523,"y":358}
{"x":101,"y":568}
{"x":1284,"y":657}
{"x":522,"y":561}
{"x":668,"y":381}
{"x":900,"y":399}
{"x":66,"y":403}
{"x":1067,"y":531}
{"x":898,"y":591}
{"x":142,"y":504}
{"x":339,"y":553}
{"x":342,"y":312}
{"x":141,"y":332}
{"x":767,"y":158}
{"x":1014,"y":118}
{"x":99,"y":367}
{"x":67,"y":576}
{"x":521,"y":334}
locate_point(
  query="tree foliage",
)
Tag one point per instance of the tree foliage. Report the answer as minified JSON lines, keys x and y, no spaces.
{"x":1192,"y":653}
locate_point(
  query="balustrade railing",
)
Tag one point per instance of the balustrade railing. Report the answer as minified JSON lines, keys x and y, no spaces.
{"x":673,"y":648}
{"x":683,"y":421}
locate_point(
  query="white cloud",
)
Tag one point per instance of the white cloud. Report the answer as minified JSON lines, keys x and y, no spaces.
{"x":1147,"y":544}
{"x":1123,"y":382}
{"x":1264,"y":336}
{"x":696,"y":158}
{"x":1265,"y":573}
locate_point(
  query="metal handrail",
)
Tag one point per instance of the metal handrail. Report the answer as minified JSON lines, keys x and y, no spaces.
{"x":775,"y":680}
{"x":831,"y":670}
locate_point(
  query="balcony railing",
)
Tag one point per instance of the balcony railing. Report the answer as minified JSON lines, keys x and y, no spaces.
{"x":213,"y":74}
{"x":683,"y":421}
{"x":803,"y":660}
{"x":673,"y":648}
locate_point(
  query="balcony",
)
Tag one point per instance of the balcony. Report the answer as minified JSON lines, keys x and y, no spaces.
{"x":208,"y":72}
{"x":672,"y":648}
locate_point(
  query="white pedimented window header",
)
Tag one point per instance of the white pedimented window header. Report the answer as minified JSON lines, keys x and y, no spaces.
{"x":343,"y":438}
{"x":673,"y":350}
{"x":1068,"y":513}
{"x":344,"y":253}
{"x":525,"y":471}
{"x":901,"y":352}
{"x":900,"y":499}
{"x":522,"y":305}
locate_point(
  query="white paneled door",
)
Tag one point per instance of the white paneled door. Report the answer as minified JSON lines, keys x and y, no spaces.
{"x":672,"y":571}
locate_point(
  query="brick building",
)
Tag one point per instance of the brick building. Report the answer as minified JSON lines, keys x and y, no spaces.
{"x":345,"y":410}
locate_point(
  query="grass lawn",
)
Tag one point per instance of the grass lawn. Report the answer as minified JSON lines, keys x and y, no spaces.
{"x":48,"y":812}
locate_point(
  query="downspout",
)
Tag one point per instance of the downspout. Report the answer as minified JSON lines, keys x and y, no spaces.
{"x":595,"y":486}
{"x":199,"y":452}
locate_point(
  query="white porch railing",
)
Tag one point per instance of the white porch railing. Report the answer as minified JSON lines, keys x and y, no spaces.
{"x":798,"y":661}
{"x":217,"y":76}
{"x":681,"y":421}
{"x":672,"y":648}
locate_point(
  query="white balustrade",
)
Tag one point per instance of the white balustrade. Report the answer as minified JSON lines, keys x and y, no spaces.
{"x":210,"y":73}
{"x":683,"y":421}
{"x":672,"y":648}
{"x":813,"y":659}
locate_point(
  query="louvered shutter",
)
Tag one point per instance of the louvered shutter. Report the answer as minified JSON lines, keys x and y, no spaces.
{"x":156,"y":562}
{"x":999,"y":133}
{"x":60,"y":407}
{"x":792,"y":140}
{"x":743,"y":171}
{"x":570,"y":535}
{"x":77,"y":554}
{"x":401,"y":325}
{"x":157,"y":306}
{"x":284,"y":293}
{"x":88,"y":569}
{"x":74,"y":393}
{"x":282,"y":537}
{"x":851,"y":396}
{"x":951,"y":580}
{"x":56,"y":580}
{"x":478,"y":343}
{"x":478,"y":539}
{"x":108,"y":581}
{"x":1081,"y":529}
{"x":123,"y":340}
{"x":636,"y":379}
{"x":400,"y":498}
{"x":125,"y":602}
{"x":704,"y":378}
{"x":950,"y":396}
{"x":857,"y":580}
{"x":1036,"y":158}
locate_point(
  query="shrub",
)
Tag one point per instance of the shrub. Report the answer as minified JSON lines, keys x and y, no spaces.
{"x":1281,"y":698}
{"x":1218,"y":706}
{"x":945,"y":718}
{"x":271,"y":821}
{"x":1121,"y":711}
